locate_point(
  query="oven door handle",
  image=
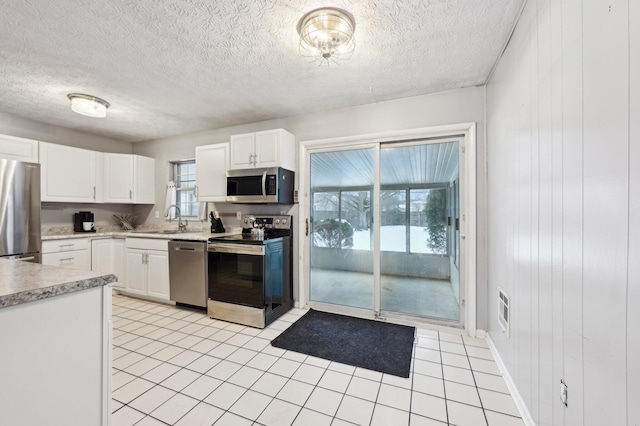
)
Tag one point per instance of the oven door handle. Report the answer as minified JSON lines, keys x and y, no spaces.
{"x":255,"y":250}
{"x":264,"y":185}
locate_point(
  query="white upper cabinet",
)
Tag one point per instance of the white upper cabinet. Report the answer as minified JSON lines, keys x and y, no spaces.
{"x":271,"y":148}
{"x":144,"y":180}
{"x":118,"y":178}
{"x":243,"y":149}
{"x":70,"y":174}
{"x":20,"y":149}
{"x":212,"y":162}
{"x":129,"y":179}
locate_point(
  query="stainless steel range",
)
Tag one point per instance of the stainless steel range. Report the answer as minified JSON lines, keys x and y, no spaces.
{"x":250,"y":273}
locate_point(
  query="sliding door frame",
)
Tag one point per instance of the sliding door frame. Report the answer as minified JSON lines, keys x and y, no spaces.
{"x":466,"y":132}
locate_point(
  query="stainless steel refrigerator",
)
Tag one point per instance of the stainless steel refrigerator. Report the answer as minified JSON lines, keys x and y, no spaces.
{"x":20,"y":236}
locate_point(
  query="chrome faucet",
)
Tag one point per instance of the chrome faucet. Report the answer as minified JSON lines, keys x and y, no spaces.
{"x":181,"y":226}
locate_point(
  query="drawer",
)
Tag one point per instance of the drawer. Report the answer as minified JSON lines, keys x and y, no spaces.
{"x":147,"y":243}
{"x":76,"y":259}
{"x":55,"y":246}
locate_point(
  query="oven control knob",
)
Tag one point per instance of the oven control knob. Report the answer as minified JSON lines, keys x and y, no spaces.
{"x":246,"y":220}
{"x":284,"y":221}
{"x":277,"y":221}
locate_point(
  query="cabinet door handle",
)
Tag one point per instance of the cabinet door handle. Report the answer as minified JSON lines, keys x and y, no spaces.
{"x":306,"y":227}
{"x":196,"y":191}
{"x":94,"y":192}
{"x":130,"y":194}
{"x":255,"y":159}
{"x":66,"y":258}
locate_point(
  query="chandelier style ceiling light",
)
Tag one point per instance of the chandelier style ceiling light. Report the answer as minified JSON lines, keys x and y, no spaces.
{"x":326,"y":34}
{"x":88,"y":105}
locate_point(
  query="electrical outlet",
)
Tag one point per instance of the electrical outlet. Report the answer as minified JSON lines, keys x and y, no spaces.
{"x":157,"y":214}
{"x":563,"y":392}
{"x":239,"y":215}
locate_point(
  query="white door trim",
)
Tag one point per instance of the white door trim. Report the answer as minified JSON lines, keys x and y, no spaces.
{"x":468,"y":220}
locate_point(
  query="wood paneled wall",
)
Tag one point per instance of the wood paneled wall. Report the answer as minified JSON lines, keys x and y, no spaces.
{"x":563,"y":155}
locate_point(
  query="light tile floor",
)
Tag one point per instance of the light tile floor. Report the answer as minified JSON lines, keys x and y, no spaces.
{"x":177,"y":366}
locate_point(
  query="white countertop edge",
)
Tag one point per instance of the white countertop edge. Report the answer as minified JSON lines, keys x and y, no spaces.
{"x":194,"y":236}
{"x":23,"y":282}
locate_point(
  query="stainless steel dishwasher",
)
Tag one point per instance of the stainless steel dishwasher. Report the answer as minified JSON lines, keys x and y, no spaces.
{"x":188,"y":272}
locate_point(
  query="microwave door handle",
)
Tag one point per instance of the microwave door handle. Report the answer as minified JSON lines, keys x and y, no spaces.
{"x":264,"y":185}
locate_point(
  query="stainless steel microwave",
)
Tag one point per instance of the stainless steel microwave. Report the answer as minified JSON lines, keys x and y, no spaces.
{"x":260,"y":186}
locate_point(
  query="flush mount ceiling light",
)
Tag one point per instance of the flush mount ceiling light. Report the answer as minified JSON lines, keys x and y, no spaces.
{"x":88,"y":105}
{"x":326,"y":34}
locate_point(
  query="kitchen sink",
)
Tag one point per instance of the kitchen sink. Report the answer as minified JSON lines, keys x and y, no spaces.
{"x":162,"y":231}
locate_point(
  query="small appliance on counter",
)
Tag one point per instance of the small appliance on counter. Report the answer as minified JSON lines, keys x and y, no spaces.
{"x":216,"y":223}
{"x":83,"y":222}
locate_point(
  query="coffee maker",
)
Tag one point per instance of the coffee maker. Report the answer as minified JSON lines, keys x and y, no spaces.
{"x":83,"y":222}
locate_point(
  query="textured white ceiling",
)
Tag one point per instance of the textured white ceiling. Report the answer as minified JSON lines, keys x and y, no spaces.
{"x":170,"y":67}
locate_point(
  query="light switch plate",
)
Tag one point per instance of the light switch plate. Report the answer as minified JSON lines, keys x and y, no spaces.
{"x":239,"y":215}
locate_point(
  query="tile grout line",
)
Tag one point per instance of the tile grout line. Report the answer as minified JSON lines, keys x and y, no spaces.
{"x":475,"y":383}
{"x":444,"y":388}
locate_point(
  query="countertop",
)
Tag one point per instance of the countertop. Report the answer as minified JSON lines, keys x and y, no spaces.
{"x":190,"y":236}
{"x":22,"y":282}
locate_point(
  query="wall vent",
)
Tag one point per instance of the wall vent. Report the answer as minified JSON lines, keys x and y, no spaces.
{"x":503,"y":311}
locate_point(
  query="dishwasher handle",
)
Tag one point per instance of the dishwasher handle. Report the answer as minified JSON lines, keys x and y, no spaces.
{"x":191,"y":246}
{"x":248,"y":249}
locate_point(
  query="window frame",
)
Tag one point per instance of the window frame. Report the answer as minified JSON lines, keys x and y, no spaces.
{"x":175,"y":175}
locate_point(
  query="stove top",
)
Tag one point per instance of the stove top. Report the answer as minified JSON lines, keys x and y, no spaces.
{"x":247,"y":238}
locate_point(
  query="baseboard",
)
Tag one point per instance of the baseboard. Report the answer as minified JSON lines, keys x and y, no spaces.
{"x":517,"y":398}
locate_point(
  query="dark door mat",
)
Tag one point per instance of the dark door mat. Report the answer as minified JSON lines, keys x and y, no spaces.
{"x":369,"y":344}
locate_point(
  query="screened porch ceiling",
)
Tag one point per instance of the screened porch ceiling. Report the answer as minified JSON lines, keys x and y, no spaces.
{"x":403,"y":166}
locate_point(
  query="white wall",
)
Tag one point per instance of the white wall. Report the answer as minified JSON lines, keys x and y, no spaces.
{"x":563,"y":117}
{"x":31,"y":129}
{"x":459,"y":106}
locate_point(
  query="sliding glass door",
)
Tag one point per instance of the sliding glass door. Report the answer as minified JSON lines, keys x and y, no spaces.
{"x":341,"y":256}
{"x":384,"y":229}
{"x":415,"y":255}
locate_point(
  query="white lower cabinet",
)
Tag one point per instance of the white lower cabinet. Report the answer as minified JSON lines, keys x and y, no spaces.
{"x":74,"y":253}
{"x":108,"y":256}
{"x":147,"y":268}
{"x":54,"y":351}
